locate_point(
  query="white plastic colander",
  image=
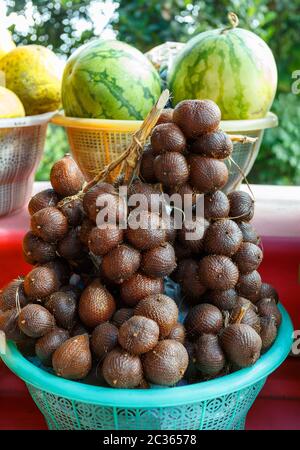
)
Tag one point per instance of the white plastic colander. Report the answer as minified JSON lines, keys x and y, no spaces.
{"x":21,"y":146}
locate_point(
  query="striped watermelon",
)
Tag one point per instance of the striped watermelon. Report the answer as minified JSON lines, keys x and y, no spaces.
{"x":109,"y":80}
{"x":233,"y":67}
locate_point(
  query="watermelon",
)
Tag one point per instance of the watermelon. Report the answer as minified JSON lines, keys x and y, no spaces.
{"x":109,"y":80}
{"x":234,"y":67}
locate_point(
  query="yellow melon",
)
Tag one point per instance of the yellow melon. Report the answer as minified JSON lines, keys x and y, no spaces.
{"x":34,"y":73}
{"x":10,"y":104}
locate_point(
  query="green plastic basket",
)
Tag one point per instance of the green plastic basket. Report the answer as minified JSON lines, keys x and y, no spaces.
{"x":217,"y":404}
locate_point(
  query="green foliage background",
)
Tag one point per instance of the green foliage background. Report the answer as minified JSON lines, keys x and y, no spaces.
{"x":145,"y":24}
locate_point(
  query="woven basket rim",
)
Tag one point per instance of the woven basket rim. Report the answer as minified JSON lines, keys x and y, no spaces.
{"x":162,"y":396}
{"x":269,"y":121}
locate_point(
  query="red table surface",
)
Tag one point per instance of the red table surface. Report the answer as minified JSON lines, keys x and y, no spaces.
{"x":278,"y":405}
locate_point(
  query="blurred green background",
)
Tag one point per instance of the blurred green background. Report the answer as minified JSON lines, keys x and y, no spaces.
{"x":64,"y":25}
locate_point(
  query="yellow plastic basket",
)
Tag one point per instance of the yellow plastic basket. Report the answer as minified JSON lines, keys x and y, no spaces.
{"x":96,"y":142}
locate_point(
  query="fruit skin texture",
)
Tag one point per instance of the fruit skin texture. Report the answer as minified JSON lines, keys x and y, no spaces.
{"x":102,"y":240}
{"x":218,"y":272}
{"x":10,"y":293}
{"x":96,"y":304}
{"x":150,"y":234}
{"x":203,"y":319}
{"x":167,"y":137}
{"x":249,"y":285}
{"x":215,"y":145}
{"x":159,"y":261}
{"x":241,"y":344}
{"x":171,"y":169}
{"x":166,"y":363}
{"x":160,"y":308}
{"x":35,"y":320}
{"x":196,"y":117}
{"x":248,"y":257}
{"x":121,"y":263}
{"x":235,"y":68}
{"x":49,"y":224}
{"x":241,"y":206}
{"x":41,"y":282}
{"x":121,"y":315}
{"x":104,"y":339}
{"x":140,"y":286}
{"x":34,"y":73}
{"x":73,"y":359}
{"x":46,"y":345}
{"x":146,"y":165}
{"x":10,"y":105}
{"x":66,"y":177}
{"x":216,"y":205}
{"x":190,"y":281}
{"x":267,"y":291}
{"x":210,"y":359}
{"x":63,"y":306}
{"x":177,"y":333}
{"x":249,"y":233}
{"x":223,"y":237}
{"x":267,"y":307}
{"x":122,"y":370}
{"x":108,"y":79}
{"x":224,"y":300}
{"x":35,"y":250}
{"x":41,"y":200}
{"x":207,"y":174}
{"x":138,"y":335}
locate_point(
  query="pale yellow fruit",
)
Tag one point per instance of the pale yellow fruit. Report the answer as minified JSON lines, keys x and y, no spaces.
{"x":34,"y":73}
{"x":10,"y":104}
{"x":6,"y":42}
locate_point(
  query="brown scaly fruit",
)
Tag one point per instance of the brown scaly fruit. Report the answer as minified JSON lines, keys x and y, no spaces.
{"x":249,"y":285}
{"x":46,"y":345}
{"x":190,"y":279}
{"x":268,"y":331}
{"x":267,"y":291}
{"x":49,"y":224}
{"x":196,"y":117}
{"x":42,"y":199}
{"x":150,"y":233}
{"x":167,"y":137}
{"x":210,"y":358}
{"x":146,"y":165}
{"x":73,"y":359}
{"x":140,"y":286}
{"x":224,"y":300}
{"x":223,"y":237}
{"x":166,"y":116}
{"x":166,"y":363}
{"x":73,"y":210}
{"x":159,"y":261}
{"x":122,"y":370}
{"x":160,"y":308}
{"x":103,"y":240}
{"x":12,"y":294}
{"x":104,"y":339}
{"x":90,"y":198}
{"x":203,"y":319}
{"x":268,"y":307}
{"x":41,"y":282}
{"x":63,"y":306}
{"x":249,"y":233}
{"x":121,"y":263}
{"x":96,"y":304}
{"x":241,"y":206}
{"x":218,"y":272}
{"x":216,"y":206}
{"x":171,"y":169}
{"x":177,"y":333}
{"x":70,"y":247}
{"x":207,"y":174}
{"x":138,"y":335}
{"x":192,"y":234}
{"x":215,"y":145}
{"x":36,"y":250}
{"x":66,"y":177}
{"x":248,"y":257}
{"x":35,"y":320}
{"x":241,"y":344}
